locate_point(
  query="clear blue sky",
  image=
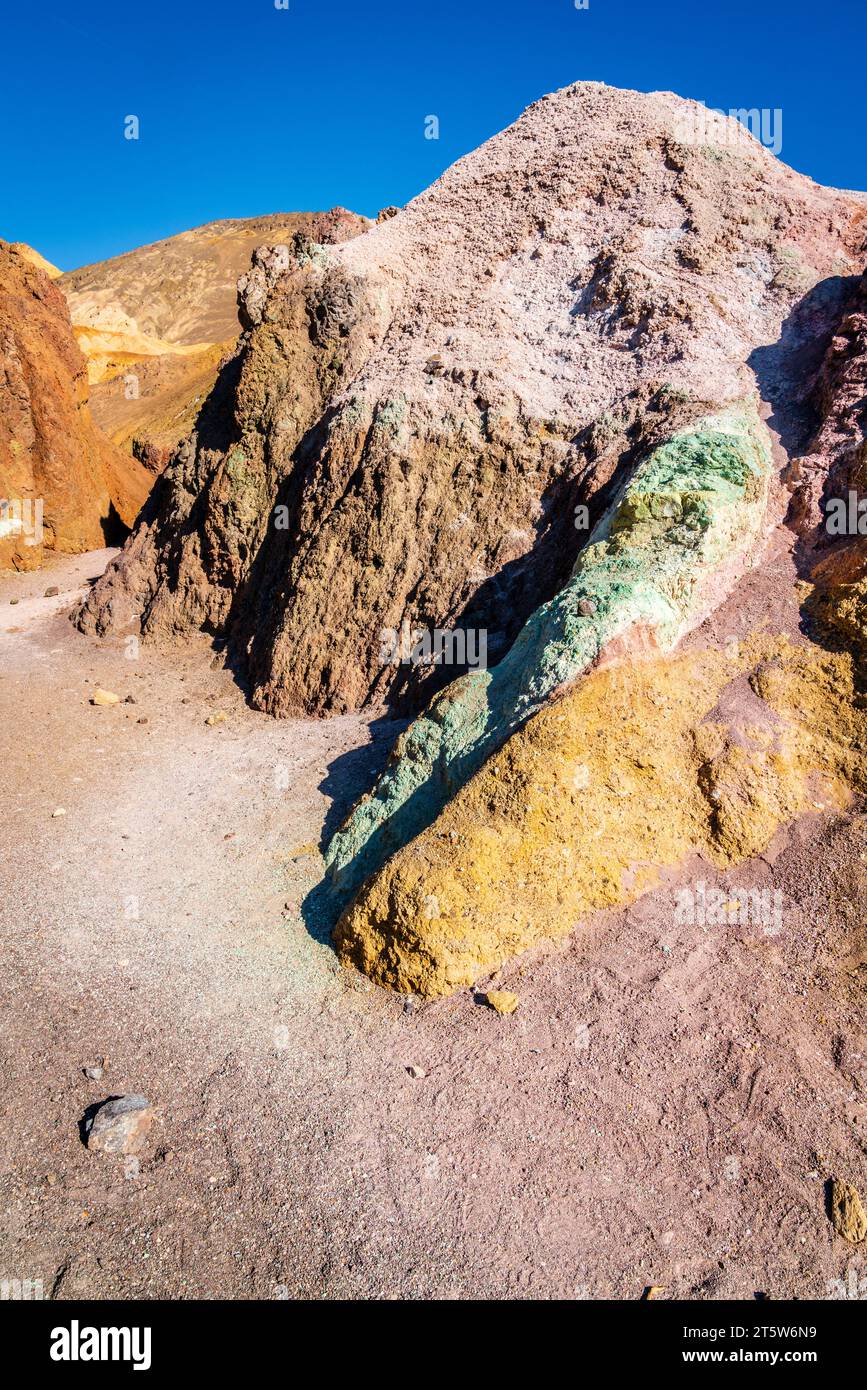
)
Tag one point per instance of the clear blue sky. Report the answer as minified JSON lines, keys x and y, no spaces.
{"x":246,"y":109}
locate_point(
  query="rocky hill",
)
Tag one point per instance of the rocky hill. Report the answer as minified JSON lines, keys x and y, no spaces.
{"x":64,"y":486}
{"x":555,"y":401}
{"x":168,"y":314}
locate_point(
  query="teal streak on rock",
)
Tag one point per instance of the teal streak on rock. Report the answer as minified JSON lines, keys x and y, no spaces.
{"x":692,"y":505}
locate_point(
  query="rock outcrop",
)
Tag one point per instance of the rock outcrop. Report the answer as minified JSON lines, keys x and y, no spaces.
{"x":675,"y":539}
{"x":156,"y":323}
{"x":413,"y":419}
{"x":830,"y":481}
{"x":552,"y":401}
{"x":645,"y":764}
{"x":63,"y":485}
{"x":642,"y":765}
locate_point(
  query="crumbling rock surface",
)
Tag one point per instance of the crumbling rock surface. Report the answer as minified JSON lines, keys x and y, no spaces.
{"x":676,"y":537}
{"x":52,"y":455}
{"x":835,"y":457}
{"x":709,"y":754}
{"x":412,"y":417}
{"x":829,"y":482}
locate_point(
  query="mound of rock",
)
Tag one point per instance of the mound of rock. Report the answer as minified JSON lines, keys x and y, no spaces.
{"x":684,"y":527}
{"x":63,"y":485}
{"x":548,"y":402}
{"x":414,"y":416}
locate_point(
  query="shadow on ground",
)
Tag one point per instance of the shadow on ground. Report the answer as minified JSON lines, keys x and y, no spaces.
{"x":346,"y":780}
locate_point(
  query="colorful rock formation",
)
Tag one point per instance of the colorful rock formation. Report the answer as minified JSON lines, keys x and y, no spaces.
{"x":643,"y":764}
{"x":646,"y":763}
{"x":414,"y":415}
{"x":674,"y":541}
{"x":63,"y":485}
{"x":549,"y":400}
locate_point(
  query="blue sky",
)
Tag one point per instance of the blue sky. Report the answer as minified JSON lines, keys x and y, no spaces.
{"x":245,"y":109}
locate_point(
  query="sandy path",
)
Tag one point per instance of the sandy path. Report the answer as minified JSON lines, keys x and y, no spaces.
{"x":664,"y":1107}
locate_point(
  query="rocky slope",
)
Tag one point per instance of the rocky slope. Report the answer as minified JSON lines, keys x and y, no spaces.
{"x":414,"y":416}
{"x":549,"y":401}
{"x":65,"y":486}
{"x":35,"y":258}
{"x":167,"y":313}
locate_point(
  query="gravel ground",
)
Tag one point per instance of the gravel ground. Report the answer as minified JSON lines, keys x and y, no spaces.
{"x":665,"y":1107}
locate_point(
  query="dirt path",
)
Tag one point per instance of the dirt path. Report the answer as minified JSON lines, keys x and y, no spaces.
{"x":664,"y":1108}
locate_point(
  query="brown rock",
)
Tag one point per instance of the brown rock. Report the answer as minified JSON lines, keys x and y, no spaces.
{"x":120,"y":1125}
{"x":847,"y":1212}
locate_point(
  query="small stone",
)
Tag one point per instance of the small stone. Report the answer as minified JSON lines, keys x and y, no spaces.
{"x":417,"y":1073}
{"x":130,"y":700}
{"x":51,"y":592}
{"x":503,"y":1000}
{"x":104,"y":697}
{"x":120,"y":1125}
{"x":586,"y":607}
{"x":97,"y":1071}
{"x":219,"y":718}
{"x":143,"y":720}
{"x":847,"y":1212}
{"x":59,"y":811}
{"x":51,"y":1179}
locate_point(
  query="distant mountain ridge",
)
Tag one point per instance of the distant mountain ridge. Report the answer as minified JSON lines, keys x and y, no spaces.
{"x":171,"y":306}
